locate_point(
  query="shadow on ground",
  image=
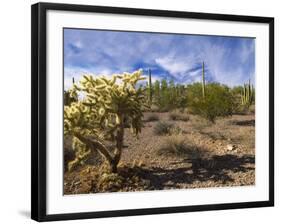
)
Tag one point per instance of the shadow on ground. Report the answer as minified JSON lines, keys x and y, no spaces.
{"x":215,"y":169}
{"x":244,"y":123}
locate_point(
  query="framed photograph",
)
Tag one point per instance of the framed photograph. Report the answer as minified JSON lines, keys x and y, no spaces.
{"x":140,"y":111}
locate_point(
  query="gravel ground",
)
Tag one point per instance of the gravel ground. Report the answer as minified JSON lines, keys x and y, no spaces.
{"x":220,"y":154}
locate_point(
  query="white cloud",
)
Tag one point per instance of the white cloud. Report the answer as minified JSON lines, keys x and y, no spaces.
{"x":176,"y":66}
{"x":116,"y":52}
{"x":78,"y":44}
{"x":247,"y":50}
{"x":195,"y":73}
{"x":77,"y":73}
{"x":171,"y":65}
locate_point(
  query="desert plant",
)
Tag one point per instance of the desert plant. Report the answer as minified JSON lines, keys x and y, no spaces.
{"x":176,"y":145}
{"x":175,"y":130}
{"x":149,"y":87}
{"x":177,"y":116}
{"x":70,"y":95}
{"x":203,"y":80}
{"x":219,"y":101}
{"x":99,"y":116}
{"x":247,"y":95}
{"x":252,"y":109}
{"x":163,"y":128}
{"x":173,"y":145}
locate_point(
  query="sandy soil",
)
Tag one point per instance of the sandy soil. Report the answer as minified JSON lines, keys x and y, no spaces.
{"x":220,"y":154}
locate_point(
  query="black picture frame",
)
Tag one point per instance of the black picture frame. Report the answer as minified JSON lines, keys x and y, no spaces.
{"x":38,"y":108}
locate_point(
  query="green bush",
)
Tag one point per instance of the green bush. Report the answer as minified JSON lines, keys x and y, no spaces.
{"x":168,"y":96}
{"x":218,"y":102}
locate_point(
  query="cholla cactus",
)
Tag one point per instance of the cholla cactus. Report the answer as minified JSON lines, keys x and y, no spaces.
{"x":99,"y":115}
{"x":70,"y":96}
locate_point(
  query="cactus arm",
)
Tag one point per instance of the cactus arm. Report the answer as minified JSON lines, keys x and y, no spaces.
{"x":247,"y":96}
{"x":203,"y":80}
{"x":95,"y":144}
{"x":150,"y":86}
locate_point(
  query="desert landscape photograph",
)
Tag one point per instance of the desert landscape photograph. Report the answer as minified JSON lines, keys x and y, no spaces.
{"x":148,"y":111}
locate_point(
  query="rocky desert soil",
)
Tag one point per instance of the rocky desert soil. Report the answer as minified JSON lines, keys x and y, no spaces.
{"x":216,"y":155}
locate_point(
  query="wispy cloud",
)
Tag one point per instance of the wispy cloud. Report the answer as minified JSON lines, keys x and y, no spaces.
{"x":229,"y":60}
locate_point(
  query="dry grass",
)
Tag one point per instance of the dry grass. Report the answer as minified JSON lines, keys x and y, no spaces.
{"x":176,"y":145}
{"x":177,"y":116}
{"x":163,"y":128}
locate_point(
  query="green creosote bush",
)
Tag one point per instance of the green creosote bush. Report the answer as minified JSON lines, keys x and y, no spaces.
{"x":218,"y":101}
{"x":101,"y":114}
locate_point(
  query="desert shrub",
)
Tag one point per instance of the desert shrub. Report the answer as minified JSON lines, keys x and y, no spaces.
{"x":177,"y":116}
{"x":152,"y":117}
{"x":176,"y":131}
{"x":176,"y":145}
{"x":163,"y":128}
{"x":168,"y":96}
{"x":173,"y":145}
{"x":244,"y":109}
{"x":252,"y":109}
{"x":218,"y":101}
{"x":240,"y":110}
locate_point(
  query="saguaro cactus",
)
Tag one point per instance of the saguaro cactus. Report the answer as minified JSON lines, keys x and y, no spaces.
{"x":247,"y":94}
{"x":100,"y":115}
{"x":70,"y":95}
{"x":149,"y":87}
{"x":203,"y":80}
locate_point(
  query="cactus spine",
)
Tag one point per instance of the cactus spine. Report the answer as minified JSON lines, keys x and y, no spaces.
{"x":203,"y":80}
{"x":247,"y":95}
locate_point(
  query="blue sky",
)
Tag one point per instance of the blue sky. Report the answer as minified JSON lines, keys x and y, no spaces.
{"x":228,"y":60}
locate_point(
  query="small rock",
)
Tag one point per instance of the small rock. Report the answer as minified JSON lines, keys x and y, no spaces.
{"x":230,"y":147}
